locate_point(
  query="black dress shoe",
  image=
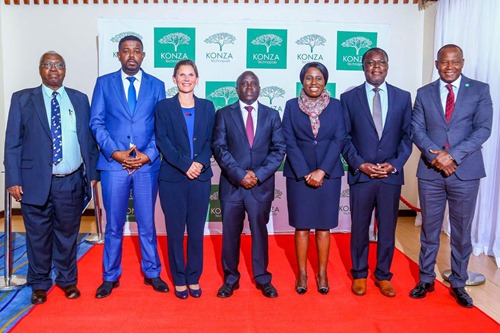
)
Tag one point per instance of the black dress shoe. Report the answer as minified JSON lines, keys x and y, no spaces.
{"x":227,"y":290}
{"x":421,"y":289}
{"x":158,"y":284}
{"x":71,"y":292}
{"x":106,"y":288}
{"x":268,"y":290}
{"x":38,"y":296}
{"x":462,"y":297}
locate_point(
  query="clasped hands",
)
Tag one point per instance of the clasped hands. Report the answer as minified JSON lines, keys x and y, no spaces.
{"x":443,"y":162}
{"x":250,"y":180}
{"x":131,"y":160}
{"x":315,"y":178}
{"x":378,"y":170}
{"x":194,"y":170}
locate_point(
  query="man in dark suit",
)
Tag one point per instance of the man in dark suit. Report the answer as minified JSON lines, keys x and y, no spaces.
{"x":122,"y":121}
{"x":248,"y":145}
{"x":452,"y":118}
{"x":50,"y":163}
{"x":378,"y":117}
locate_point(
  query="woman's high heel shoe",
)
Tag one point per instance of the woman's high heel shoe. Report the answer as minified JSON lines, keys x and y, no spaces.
{"x":301,"y":290}
{"x":322,"y":289}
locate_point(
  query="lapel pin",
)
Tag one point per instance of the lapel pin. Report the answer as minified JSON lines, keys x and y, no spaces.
{"x":467,"y":84}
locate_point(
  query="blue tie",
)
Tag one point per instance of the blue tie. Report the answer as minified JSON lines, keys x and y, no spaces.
{"x":55,"y":129}
{"x":132,"y":95}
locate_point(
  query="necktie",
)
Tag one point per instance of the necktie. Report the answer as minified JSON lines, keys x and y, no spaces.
{"x":55,"y":129}
{"x":377,"y":112}
{"x":450,"y":103}
{"x":249,"y":126}
{"x":132,"y":95}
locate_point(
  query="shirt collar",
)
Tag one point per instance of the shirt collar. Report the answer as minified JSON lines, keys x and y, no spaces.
{"x":254,"y":105}
{"x":138,"y":75}
{"x":455,"y":84}
{"x":48,"y":91}
{"x":369,"y":87}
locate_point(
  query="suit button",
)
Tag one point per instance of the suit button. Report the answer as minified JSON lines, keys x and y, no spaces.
{"x":315,"y":142}
{"x":194,"y":139}
{"x":128,"y":136}
{"x":195,"y":155}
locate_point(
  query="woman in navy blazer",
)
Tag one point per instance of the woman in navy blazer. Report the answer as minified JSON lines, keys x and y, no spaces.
{"x":315,"y":132}
{"x":183,"y":131}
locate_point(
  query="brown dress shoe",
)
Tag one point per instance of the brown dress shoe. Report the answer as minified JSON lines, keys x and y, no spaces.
{"x":385,"y":287}
{"x":38,"y":296}
{"x":359,"y":287}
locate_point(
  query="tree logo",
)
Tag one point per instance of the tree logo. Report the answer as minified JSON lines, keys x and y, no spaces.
{"x":312,"y":40}
{"x":330,"y":87}
{"x":214,"y":211}
{"x":116,"y":39}
{"x":171,"y":92}
{"x":172,"y":45}
{"x":221,"y":39}
{"x":272,"y":92}
{"x":221,"y":93}
{"x":266,"y":48}
{"x":351,"y":45}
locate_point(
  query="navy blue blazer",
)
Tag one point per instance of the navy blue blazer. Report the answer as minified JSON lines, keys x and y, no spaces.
{"x":234,"y":155}
{"x":173,"y":141}
{"x":306,"y":153}
{"x":469,"y":128}
{"x":113,"y":126}
{"x":362,"y":142}
{"x":28,"y":143}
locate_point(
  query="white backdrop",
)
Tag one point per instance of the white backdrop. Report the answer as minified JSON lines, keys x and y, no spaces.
{"x":275,"y":51}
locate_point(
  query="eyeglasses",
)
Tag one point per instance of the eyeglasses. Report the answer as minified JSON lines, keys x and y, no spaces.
{"x":57,"y":65}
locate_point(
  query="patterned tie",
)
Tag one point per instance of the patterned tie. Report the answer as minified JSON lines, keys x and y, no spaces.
{"x":377,"y":112}
{"x":249,"y":127}
{"x":450,"y":103}
{"x":55,"y":129}
{"x":132,"y":95}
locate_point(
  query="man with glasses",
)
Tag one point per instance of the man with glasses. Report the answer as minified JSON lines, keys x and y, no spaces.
{"x":50,"y":163}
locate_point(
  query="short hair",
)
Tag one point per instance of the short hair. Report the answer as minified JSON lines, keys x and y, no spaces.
{"x":127,"y":38}
{"x":185,"y":62}
{"x":322,"y":68}
{"x":51,"y":53}
{"x":450,"y":46}
{"x":374,"y":49}
{"x":246,"y":73}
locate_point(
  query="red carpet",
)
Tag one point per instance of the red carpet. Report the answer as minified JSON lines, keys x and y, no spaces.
{"x":134,"y":307}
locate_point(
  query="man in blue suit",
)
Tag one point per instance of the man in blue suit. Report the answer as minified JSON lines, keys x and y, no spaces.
{"x":248,"y":145}
{"x":122,"y":121}
{"x":452,"y":118}
{"x":50,"y":164}
{"x":378,"y":118}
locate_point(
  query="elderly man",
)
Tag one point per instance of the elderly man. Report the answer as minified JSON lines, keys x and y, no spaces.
{"x":50,"y":163}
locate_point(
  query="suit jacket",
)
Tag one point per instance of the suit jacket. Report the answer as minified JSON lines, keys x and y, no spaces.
{"x":469,"y":128}
{"x":362,"y":141}
{"x":306,"y":153}
{"x":234,"y":155}
{"x":173,"y":140}
{"x":28,"y":143}
{"x":115,"y":128}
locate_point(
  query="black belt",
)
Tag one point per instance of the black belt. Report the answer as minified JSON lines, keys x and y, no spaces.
{"x":68,"y":174}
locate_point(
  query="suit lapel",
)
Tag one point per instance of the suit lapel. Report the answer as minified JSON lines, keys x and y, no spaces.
{"x":262,"y":116}
{"x":436,"y":98}
{"x":78,"y":112}
{"x":199,"y":118}
{"x":118,"y":86}
{"x":237,"y":118}
{"x":178,"y":116}
{"x":363,"y":102}
{"x":462,"y":96}
{"x":39,"y":104}
{"x":145,"y":89}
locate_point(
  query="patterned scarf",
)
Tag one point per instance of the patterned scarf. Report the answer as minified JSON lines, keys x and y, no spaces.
{"x":313,"y":107}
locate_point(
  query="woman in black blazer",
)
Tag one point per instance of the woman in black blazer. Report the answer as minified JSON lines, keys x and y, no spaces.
{"x":183,"y":129}
{"x":315,"y":132}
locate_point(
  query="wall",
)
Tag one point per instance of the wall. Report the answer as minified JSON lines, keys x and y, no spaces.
{"x":27,"y":31}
